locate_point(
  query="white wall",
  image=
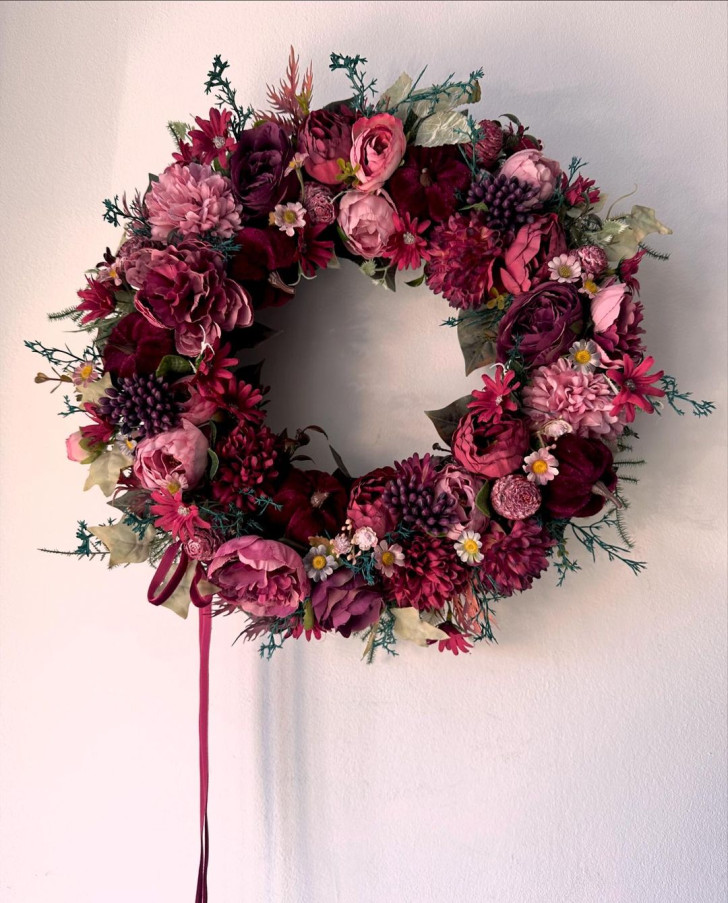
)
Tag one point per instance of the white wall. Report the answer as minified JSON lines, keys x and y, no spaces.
{"x":582,"y":759}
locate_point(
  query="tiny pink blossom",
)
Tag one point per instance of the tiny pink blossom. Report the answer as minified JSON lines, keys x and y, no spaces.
{"x":541,"y":467}
{"x":565,"y":268}
{"x":365,"y":538}
{"x":289,"y":217}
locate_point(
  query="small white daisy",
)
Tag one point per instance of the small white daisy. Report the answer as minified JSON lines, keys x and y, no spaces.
{"x":289,"y":217}
{"x":541,"y":467}
{"x":588,"y":286}
{"x":565,"y":268}
{"x":387,"y":558}
{"x":319,"y":563}
{"x":584,"y":356}
{"x":468,"y":547}
{"x":365,"y":538}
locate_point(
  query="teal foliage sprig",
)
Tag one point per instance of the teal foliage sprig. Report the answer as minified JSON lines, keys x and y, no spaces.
{"x":69,"y":313}
{"x":353,"y":66}
{"x":232,"y":522}
{"x":88,"y":545}
{"x":226,"y":96}
{"x":381,"y":636}
{"x":593,"y":539}
{"x":115,"y":212}
{"x":487,"y":595}
{"x":576,"y":164}
{"x":563,"y":563}
{"x":70,"y":408}
{"x":651,"y":252}
{"x":436,"y":94}
{"x":64,"y":358}
{"x":674,"y":397}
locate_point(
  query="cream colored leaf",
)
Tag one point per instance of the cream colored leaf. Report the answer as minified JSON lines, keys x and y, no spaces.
{"x":395,"y":94}
{"x":91,"y":393}
{"x":179,"y":601}
{"x":104,"y":471}
{"x":446,"y":127}
{"x":455,"y":96}
{"x":643,"y":222}
{"x":409,"y":626}
{"x":123,"y":543}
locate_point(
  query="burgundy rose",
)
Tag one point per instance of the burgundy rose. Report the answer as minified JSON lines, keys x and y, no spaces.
{"x":583,"y":463}
{"x":525,"y":262}
{"x":261,"y":252}
{"x":366,"y":508}
{"x":491,"y":450}
{"x":345,"y":602}
{"x":135,"y":346}
{"x":427,"y":183}
{"x":326,"y":138}
{"x":258,"y":169}
{"x":544,"y":322}
{"x":313,"y":503}
{"x":186,"y":289}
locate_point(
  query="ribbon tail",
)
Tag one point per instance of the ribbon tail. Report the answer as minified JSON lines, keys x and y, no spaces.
{"x":205,"y":632}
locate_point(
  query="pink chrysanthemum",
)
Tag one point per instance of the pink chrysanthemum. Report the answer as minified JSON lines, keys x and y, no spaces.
{"x":583,"y":400}
{"x":212,"y":141}
{"x":192,"y":200}
{"x":175,"y":516}
{"x":635,"y":386}
{"x":513,"y":560}
{"x":463,"y":253}
{"x":496,"y":398}
{"x":430,"y":575}
{"x":406,"y":247}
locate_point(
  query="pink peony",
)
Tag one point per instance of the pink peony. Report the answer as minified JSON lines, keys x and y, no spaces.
{"x":345,"y":602}
{"x":526,"y":260}
{"x":192,"y":200}
{"x":583,"y":400}
{"x":186,"y":289}
{"x":378,"y":147}
{"x":531,"y":167}
{"x":512,"y":560}
{"x":173,"y":460}
{"x":367,"y":220}
{"x":464,"y":486}
{"x":493,"y":450}
{"x":261,"y":576}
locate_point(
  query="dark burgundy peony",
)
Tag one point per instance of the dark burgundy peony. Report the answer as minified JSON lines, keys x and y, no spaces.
{"x":583,"y":464}
{"x":544,"y":322}
{"x":261,"y":252}
{"x":326,"y":137}
{"x":491,"y":450}
{"x":427,"y":183}
{"x":313,"y":503}
{"x":345,"y":602}
{"x":258,"y":169}
{"x":135,"y":346}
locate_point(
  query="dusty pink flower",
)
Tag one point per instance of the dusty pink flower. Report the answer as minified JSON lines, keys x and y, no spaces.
{"x":494,"y":400}
{"x":261,"y":576}
{"x":541,"y":467}
{"x":525,"y":261}
{"x":493,"y":450}
{"x":532,"y":167}
{"x":378,"y":147}
{"x":192,"y":200}
{"x":289,"y":217}
{"x":173,"y":460}
{"x":319,"y":204}
{"x":514,"y":497}
{"x":606,"y":305}
{"x":464,"y":487}
{"x":366,"y":506}
{"x":367,"y":220}
{"x":593,"y":259}
{"x":583,"y":399}
{"x":345,"y":602}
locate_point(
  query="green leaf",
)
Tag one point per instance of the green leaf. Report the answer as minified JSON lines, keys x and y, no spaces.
{"x":175,"y":365}
{"x":389,"y":281}
{"x":482,"y":499}
{"x":514,"y":119}
{"x":447,"y":419}
{"x":415,"y":282}
{"x":214,"y":463}
{"x":477,"y":343}
{"x":339,"y":462}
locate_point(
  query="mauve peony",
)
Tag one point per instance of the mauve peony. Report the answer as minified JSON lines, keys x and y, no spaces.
{"x":186,"y":289}
{"x":526,"y":259}
{"x":367,"y":220}
{"x":366,"y":508}
{"x":493,"y":450}
{"x":261,"y":576}
{"x":132,"y":259}
{"x":259,"y":169}
{"x":544,"y":323}
{"x":378,"y":147}
{"x":582,"y":464}
{"x":136,"y":347}
{"x":532,"y":167}
{"x":313,"y":503}
{"x":326,"y":138}
{"x":173,"y":460}
{"x":345,"y":602}
{"x":427,"y":184}
{"x":464,"y":486}
{"x":192,"y":200}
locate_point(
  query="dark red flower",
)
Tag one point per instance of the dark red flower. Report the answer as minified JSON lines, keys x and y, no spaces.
{"x":431,"y":574}
{"x":583,"y":463}
{"x":212,"y":140}
{"x":456,"y":642}
{"x":261,"y":252}
{"x":326,"y":138}
{"x":580,"y":191}
{"x":366,"y":508}
{"x":512,"y":560}
{"x":314,"y":252}
{"x":259,"y":169}
{"x":406,"y":247}
{"x":628,"y":270}
{"x":427,"y":184}
{"x":248,"y":468}
{"x":490,"y":144}
{"x":494,"y":400}
{"x":313,"y":503}
{"x":98,"y":433}
{"x":491,"y":450}
{"x":179,"y":518}
{"x":136,"y":347}
{"x":97,"y":301}
{"x":345,"y":602}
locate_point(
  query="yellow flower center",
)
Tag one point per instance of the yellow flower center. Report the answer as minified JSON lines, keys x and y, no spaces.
{"x":319,"y":562}
{"x":591,"y":287}
{"x":470,"y":546}
{"x":86,"y":371}
{"x":539,"y":466}
{"x":387,"y":559}
{"x":565,"y":271}
{"x":173,"y":487}
{"x":290,"y":216}
{"x":582,"y":356}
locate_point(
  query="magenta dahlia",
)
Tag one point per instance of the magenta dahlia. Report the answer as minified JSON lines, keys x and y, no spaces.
{"x":463,"y":253}
{"x":430,"y":575}
{"x":514,"y":559}
{"x":192,"y":200}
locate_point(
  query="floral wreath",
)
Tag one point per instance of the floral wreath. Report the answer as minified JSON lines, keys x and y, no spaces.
{"x":543,"y":285}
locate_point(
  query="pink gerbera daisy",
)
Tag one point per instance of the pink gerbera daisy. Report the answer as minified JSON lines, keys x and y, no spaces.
{"x":175,"y":516}
{"x":495,"y":399}
{"x":635,"y":385}
{"x":406,"y":247}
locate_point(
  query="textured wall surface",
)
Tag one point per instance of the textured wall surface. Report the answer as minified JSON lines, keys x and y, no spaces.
{"x":582,"y":759}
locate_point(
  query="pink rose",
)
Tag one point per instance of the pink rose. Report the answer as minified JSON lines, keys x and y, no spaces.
{"x":493,"y":450}
{"x":367,"y":220}
{"x":263,"y":577}
{"x":530,"y":166}
{"x":173,"y":460}
{"x":525,"y":262}
{"x":74,"y":449}
{"x":379,"y":145}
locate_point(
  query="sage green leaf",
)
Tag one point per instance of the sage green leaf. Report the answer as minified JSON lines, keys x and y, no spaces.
{"x":477,"y":342}
{"x":125,"y":546}
{"x":447,"y":419}
{"x":482,"y":499}
{"x":395,"y":94}
{"x":104,"y":471}
{"x":175,"y":365}
{"x":415,"y":282}
{"x":214,"y":463}
{"x":449,"y":98}
{"x":445,"y":127}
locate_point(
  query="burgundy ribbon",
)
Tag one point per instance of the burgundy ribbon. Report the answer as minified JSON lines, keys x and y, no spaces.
{"x":160,"y":591}
{"x":205,"y":631}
